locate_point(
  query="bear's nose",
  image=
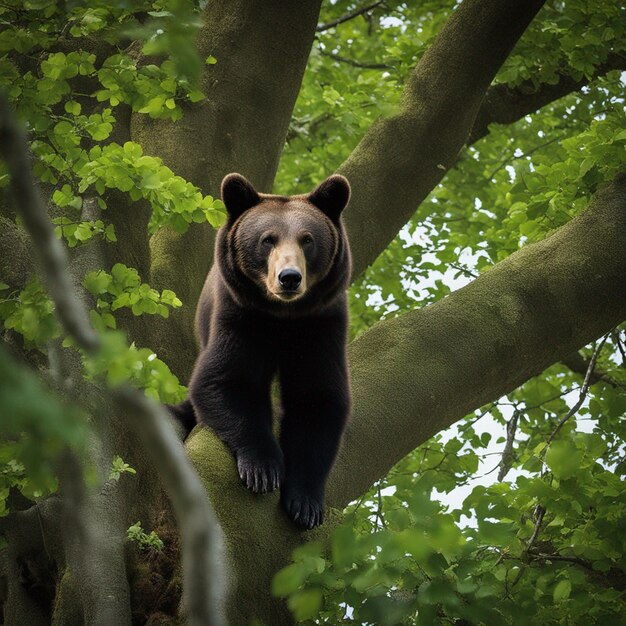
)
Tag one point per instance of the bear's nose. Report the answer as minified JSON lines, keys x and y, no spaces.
{"x":290,"y":279}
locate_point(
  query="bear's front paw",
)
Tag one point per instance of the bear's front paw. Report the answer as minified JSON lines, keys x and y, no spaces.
{"x":305,"y":510}
{"x":259,"y":473}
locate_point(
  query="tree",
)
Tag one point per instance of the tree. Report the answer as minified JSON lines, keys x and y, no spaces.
{"x":484,"y":142}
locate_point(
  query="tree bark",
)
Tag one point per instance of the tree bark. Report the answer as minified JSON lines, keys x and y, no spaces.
{"x":403,"y":157}
{"x":261,"y":49}
{"x":417,"y":374}
{"x":411,"y":376}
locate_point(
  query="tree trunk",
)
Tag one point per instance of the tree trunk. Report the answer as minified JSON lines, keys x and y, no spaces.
{"x":261,"y":49}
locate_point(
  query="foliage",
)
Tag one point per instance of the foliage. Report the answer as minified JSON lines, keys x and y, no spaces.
{"x":117,"y":363}
{"x":123,"y":288}
{"x":546,"y":546}
{"x":30,"y":313}
{"x":36,"y":427}
{"x":70,"y":101}
{"x":174,"y":201}
{"x":119,"y":467}
{"x":146,"y":541}
{"x":514,"y":186}
{"x":68,"y":71}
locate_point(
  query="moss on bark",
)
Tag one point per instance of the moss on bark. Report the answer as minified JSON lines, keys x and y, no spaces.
{"x":417,"y":374}
{"x":259,"y":536}
{"x":403,"y":157}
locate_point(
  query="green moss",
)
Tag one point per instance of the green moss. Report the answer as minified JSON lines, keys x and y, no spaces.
{"x":259,"y":536}
{"x":68,"y":605}
{"x":417,"y":374}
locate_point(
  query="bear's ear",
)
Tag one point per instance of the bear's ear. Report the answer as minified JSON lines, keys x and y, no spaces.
{"x":331,"y":196}
{"x":238,"y":194}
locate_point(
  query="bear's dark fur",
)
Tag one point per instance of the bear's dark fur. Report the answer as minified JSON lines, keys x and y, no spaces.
{"x":273,"y":303}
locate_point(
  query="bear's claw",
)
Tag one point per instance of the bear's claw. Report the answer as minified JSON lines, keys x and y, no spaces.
{"x":304,"y":510}
{"x":260,"y":475}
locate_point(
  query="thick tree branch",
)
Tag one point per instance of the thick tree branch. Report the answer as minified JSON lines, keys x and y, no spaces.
{"x":199,"y":532}
{"x":403,"y":157}
{"x":203,"y":572}
{"x":415,"y":375}
{"x":503,"y":105}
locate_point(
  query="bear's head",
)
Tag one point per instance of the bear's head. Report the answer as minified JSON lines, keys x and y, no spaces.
{"x":286,"y":250}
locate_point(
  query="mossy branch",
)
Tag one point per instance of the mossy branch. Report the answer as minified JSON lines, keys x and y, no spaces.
{"x":415,"y":375}
{"x":403,"y":157}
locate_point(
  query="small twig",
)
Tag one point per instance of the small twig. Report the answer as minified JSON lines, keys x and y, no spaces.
{"x":540,"y":510}
{"x":446,"y":220}
{"x":379,"y":510}
{"x":522,"y":156}
{"x":539,"y":515}
{"x":507,"y":453}
{"x":463,"y":270}
{"x":583,"y":393}
{"x":567,"y":559}
{"x":353,"y":63}
{"x":620,"y":346}
{"x":348,"y":16}
{"x":478,"y":417}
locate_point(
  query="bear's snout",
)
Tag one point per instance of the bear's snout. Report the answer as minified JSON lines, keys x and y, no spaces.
{"x":290,"y":279}
{"x":287,"y":271}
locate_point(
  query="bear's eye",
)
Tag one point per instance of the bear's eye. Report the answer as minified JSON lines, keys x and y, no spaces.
{"x":268,"y":241}
{"x":307,"y":240}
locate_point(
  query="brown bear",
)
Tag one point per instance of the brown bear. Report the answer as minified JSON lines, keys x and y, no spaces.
{"x":274,"y":303}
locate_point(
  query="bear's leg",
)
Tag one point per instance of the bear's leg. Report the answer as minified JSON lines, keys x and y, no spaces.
{"x":230,"y":391}
{"x":316,"y":402}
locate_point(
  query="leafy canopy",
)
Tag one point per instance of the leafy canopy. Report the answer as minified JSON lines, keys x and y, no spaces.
{"x":70,"y":70}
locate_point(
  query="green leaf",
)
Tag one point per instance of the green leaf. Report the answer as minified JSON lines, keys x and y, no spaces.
{"x":119,"y":467}
{"x":561,"y":591}
{"x":563,"y":459}
{"x":305,"y":604}
{"x":73,"y":107}
{"x":97,"y":282}
{"x":288,"y":579}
